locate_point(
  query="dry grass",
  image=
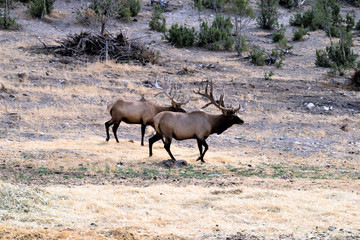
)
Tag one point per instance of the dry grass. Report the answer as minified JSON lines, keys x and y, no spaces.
{"x":165,"y":210}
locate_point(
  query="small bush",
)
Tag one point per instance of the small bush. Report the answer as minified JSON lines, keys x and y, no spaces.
{"x":268,"y":76}
{"x":357,"y":26}
{"x":181,"y":36}
{"x":135,"y":7}
{"x":7,"y":22}
{"x":257,"y":56}
{"x":298,"y":34}
{"x":125,"y":14}
{"x":350,"y":22}
{"x":157,"y":22}
{"x":268,"y":16}
{"x":339,"y":56}
{"x":279,"y":64}
{"x":128,"y":9}
{"x":39,"y":8}
{"x":278,"y":35}
{"x":212,"y":4}
{"x":322,"y":59}
{"x":305,"y":20}
{"x":217,"y":35}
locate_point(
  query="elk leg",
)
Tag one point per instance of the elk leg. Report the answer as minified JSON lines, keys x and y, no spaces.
{"x":152,"y":140}
{"x":167,"y":147}
{"x":107,"y":125}
{"x":200,"y":149}
{"x":206,"y":148}
{"x":143,"y":127}
{"x":115,"y":127}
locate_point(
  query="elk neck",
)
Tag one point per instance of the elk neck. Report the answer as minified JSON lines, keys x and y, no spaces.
{"x":220,"y":123}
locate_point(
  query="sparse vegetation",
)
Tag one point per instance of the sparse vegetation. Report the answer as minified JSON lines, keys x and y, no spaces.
{"x":7,"y":22}
{"x":158,"y":22}
{"x":299,"y":34}
{"x":338,"y":56}
{"x":243,"y":14}
{"x":278,"y":35}
{"x":216,"y":5}
{"x":257,"y":56}
{"x":268,"y":75}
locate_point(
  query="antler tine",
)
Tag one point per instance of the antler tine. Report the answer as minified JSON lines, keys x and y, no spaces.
{"x":219,"y":103}
{"x":169,"y":93}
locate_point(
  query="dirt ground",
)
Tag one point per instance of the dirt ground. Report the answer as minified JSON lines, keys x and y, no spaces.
{"x":52,"y":133}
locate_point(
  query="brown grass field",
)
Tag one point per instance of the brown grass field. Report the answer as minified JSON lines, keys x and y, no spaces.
{"x":288,"y":173}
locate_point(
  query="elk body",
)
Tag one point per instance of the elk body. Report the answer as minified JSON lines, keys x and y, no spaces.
{"x":138,"y":112}
{"x":195,"y":125}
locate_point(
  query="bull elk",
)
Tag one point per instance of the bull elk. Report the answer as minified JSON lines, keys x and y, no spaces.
{"x":195,"y":125}
{"x":139,"y":112}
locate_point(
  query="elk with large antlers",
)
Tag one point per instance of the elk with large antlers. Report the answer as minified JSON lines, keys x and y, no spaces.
{"x":139,"y":112}
{"x":195,"y":125}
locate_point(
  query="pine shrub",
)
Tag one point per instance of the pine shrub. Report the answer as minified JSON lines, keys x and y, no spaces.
{"x":299,"y":34}
{"x":257,"y":56}
{"x":181,"y":36}
{"x":39,"y":8}
{"x":278,"y":35}
{"x":218,"y":35}
{"x":268,"y":16}
{"x":158,"y":22}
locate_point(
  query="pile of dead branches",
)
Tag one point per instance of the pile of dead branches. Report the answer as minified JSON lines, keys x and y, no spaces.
{"x":98,"y":47}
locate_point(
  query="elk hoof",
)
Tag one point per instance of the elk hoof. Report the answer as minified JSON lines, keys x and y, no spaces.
{"x":107,"y":139}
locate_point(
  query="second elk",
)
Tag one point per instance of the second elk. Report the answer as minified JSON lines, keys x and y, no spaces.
{"x":195,"y":125}
{"x":140,"y":112}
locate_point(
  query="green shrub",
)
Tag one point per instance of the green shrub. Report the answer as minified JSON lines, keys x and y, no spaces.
{"x":298,"y":34}
{"x":135,"y":7}
{"x":7,"y":22}
{"x":268,"y":15}
{"x":278,"y":35}
{"x":128,"y":9}
{"x":279,"y":64}
{"x":217,"y":35}
{"x":322,"y":59}
{"x":39,"y":8}
{"x":305,"y":20}
{"x":267,"y":76}
{"x":157,"y":22}
{"x":181,"y":36}
{"x":125,"y":14}
{"x":350,"y":22}
{"x":257,"y":56}
{"x":357,"y":26}
{"x":212,"y":4}
{"x":339,"y":56}
{"x":324,"y":14}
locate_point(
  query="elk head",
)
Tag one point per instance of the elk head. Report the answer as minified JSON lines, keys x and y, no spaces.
{"x":229,"y":112}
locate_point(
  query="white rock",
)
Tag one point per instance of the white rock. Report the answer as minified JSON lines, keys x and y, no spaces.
{"x":310,"y":106}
